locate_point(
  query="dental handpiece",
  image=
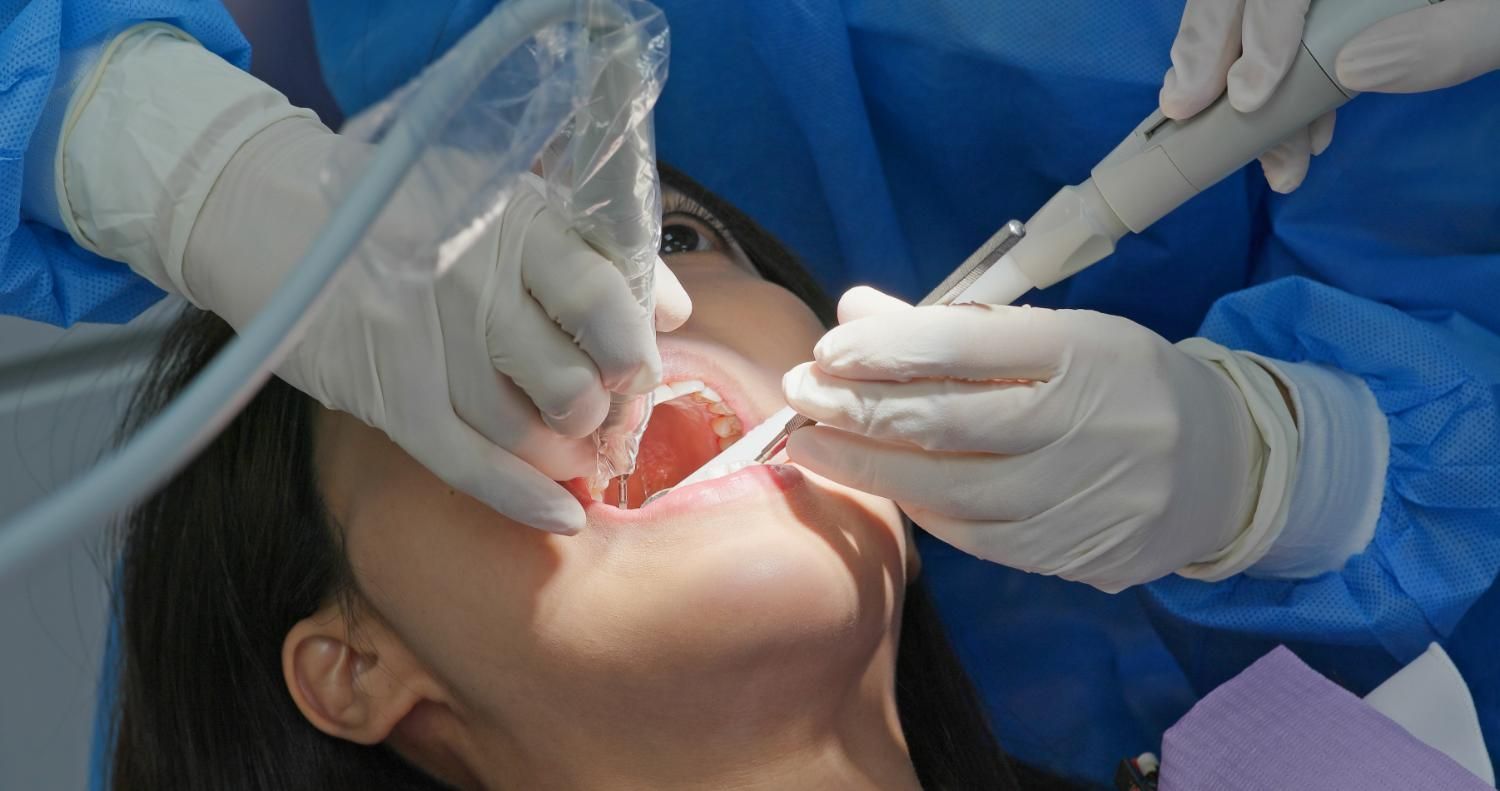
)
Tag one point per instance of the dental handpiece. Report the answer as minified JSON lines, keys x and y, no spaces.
{"x":1164,"y":163}
{"x":617,"y":202}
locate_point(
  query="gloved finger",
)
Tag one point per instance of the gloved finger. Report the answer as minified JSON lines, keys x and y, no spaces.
{"x":1286,"y":163}
{"x":862,"y":301}
{"x":584,"y":293}
{"x":468,"y":462}
{"x":1321,"y":132}
{"x":556,"y":375}
{"x":1208,"y":41}
{"x":933,"y":414}
{"x":958,"y":485}
{"x":673,"y":305}
{"x":1272,"y":37}
{"x":1424,"y":49}
{"x":968,"y":341}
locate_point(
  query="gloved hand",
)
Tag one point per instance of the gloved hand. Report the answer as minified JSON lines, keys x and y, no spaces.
{"x":492,"y":375}
{"x":1249,"y":45}
{"x":1060,"y":442}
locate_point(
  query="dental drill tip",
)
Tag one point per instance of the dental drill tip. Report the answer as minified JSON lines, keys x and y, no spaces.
{"x":622,"y":490}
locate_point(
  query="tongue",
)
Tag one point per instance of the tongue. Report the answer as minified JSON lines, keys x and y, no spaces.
{"x":677,"y":441}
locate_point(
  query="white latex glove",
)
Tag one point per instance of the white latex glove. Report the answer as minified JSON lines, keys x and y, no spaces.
{"x":1247,"y":46}
{"x":1060,"y":442}
{"x":492,"y":376}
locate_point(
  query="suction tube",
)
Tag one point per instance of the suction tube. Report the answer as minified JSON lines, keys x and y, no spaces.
{"x":1164,"y":163}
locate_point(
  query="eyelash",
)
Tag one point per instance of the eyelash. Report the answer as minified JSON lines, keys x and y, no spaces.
{"x":676,"y":203}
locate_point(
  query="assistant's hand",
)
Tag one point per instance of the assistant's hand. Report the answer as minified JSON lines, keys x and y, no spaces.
{"x":1061,"y":442}
{"x":1247,"y":47}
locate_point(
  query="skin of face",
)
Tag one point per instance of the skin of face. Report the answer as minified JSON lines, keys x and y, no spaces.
{"x":748,"y":640}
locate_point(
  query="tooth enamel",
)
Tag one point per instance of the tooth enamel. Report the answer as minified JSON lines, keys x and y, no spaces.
{"x":662,"y":394}
{"x":710,"y":394}
{"x":686,"y":386}
{"x":726,"y":426}
{"x":720,"y":408}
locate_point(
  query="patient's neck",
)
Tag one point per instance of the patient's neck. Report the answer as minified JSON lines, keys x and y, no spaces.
{"x":770,"y":728}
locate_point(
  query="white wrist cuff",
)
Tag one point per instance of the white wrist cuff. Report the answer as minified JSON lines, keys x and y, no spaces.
{"x":1344,"y":444}
{"x":1278,"y":433}
{"x":145,"y":136}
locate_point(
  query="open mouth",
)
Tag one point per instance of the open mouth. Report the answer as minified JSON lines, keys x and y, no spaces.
{"x":691,"y":423}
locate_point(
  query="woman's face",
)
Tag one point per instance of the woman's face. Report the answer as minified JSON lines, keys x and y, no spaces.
{"x":701,"y":608}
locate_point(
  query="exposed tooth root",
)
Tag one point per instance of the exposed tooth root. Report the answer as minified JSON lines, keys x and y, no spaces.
{"x":727,"y":426}
{"x":725,"y":442}
{"x":720,"y":408}
{"x":710,"y":394}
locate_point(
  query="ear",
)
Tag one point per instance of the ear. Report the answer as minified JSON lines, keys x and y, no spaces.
{"x":357,"y":692}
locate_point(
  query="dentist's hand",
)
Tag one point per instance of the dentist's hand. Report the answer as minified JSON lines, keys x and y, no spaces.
{"x":1247,"y":47}
{"x":1060,"y":442}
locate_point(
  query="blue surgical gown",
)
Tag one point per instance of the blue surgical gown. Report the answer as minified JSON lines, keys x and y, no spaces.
{"x":43,"y":274}
{"x":884,"y":139}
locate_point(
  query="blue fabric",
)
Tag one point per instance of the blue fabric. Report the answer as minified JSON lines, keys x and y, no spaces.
{"x":885,"y":139}
{"x":43,"y":274}
{"x":1436,"y":548}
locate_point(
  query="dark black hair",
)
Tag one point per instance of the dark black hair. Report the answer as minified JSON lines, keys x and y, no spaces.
{"x":218,"y":565}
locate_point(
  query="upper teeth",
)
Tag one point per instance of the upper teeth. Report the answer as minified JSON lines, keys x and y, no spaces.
{"x":726,"y":426}
{"x":669,"y":390}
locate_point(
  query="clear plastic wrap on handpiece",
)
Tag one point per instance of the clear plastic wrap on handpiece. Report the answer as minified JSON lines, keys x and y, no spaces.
{"x":601,"y":172}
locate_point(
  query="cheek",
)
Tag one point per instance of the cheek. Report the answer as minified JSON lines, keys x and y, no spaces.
{"x":456,"y":581}
{"x":727,"y":302}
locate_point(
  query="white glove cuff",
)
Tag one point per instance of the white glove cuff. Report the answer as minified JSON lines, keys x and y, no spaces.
{"x":1344,"y":444}
{"x":146,"y":135}
{"x":1278,"y":432}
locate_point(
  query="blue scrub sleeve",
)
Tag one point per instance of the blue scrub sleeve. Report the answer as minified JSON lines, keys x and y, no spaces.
{"x":1436,"y":546}
{"x":43,"y":275}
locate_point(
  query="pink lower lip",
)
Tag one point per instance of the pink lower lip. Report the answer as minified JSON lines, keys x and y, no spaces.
{"x":749,"y":482}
